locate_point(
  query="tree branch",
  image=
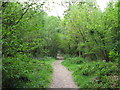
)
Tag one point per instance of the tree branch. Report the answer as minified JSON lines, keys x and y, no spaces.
{"x":23,"y":14}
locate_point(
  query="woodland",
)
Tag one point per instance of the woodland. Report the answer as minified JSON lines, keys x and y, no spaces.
{"x":86,"y":37}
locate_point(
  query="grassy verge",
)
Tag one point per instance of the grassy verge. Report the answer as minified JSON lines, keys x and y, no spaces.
{"x":94,"y":74}
{"x":24,"y":72}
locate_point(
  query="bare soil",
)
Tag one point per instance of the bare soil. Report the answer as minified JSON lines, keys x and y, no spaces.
{"x":62,"y":78}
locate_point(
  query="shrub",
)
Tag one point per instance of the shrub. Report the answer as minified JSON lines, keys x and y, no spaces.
{"x":98,"y":74}
{"x":98,"y":68}
{"x":24,"y":72}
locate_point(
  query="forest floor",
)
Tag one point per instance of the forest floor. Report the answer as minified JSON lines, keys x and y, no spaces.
{"x":62,"y":78}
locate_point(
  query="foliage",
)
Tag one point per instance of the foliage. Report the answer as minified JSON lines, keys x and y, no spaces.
{"x":96,"y":74}
{"x":91,"y":33}
{"x":26,"y":45}
{"x":24,"y":72}
{"x":75,"y":60}
{"x":35,"y":33}
{"x":85,"y":35}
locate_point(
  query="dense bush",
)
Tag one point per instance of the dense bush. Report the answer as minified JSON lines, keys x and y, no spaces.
{"x":90,"y":32}
{"x":22,"y":71}
{"x":28,"y":37}
{"x":99,"y":68}
{"x":96,"y":74}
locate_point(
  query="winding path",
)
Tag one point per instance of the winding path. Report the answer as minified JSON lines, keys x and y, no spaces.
{"x":62,"y":78}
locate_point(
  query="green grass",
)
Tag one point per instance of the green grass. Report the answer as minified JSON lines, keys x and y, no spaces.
{"x":94,"y":74}
{"x":73,"y":63}
{"x":24,"y":72}
{"x":42,"y":76}
{"x":70,"y":67}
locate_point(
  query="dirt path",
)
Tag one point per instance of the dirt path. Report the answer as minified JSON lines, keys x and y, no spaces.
{"x":62,"y":78}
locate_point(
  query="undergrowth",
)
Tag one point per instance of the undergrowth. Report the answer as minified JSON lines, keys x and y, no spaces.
{"x":96,"y":74}
{"x":25,"y":72}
